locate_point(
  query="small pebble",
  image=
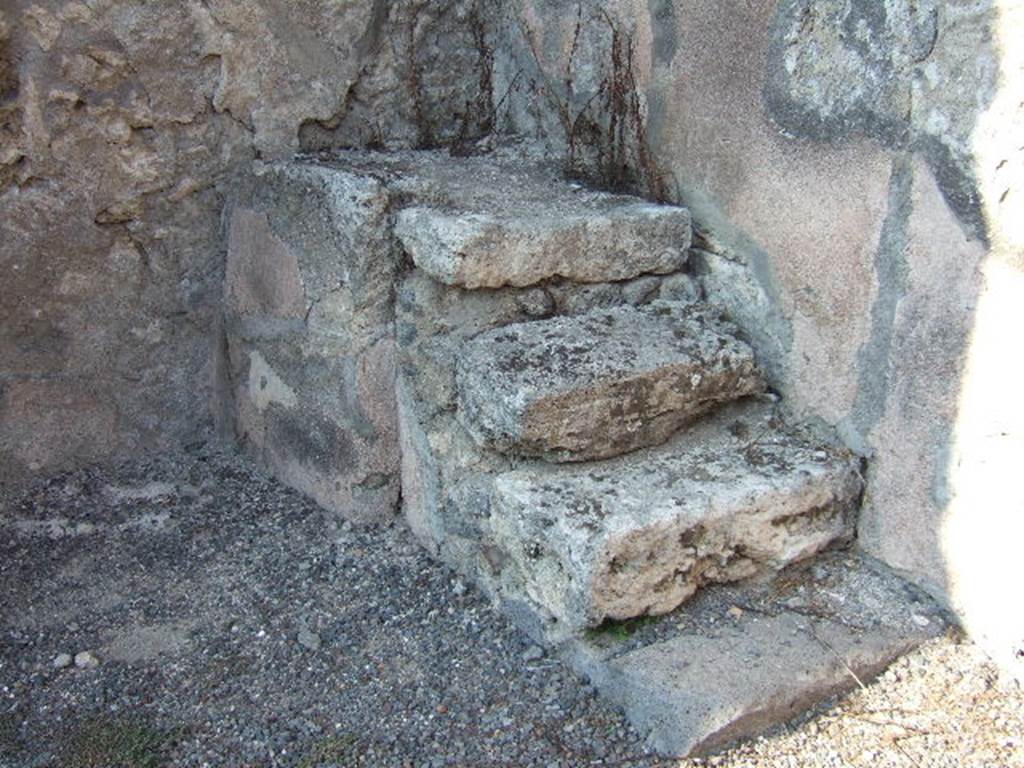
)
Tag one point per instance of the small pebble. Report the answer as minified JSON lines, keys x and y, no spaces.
{"x":62,"y":660}
{"x":309,"y":639}
{"x":735,"y":612}
{"x":86,"y":660}
{"x":533,"y":653}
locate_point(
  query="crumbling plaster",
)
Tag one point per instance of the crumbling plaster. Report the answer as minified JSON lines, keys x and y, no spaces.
{"x":120,"y":122}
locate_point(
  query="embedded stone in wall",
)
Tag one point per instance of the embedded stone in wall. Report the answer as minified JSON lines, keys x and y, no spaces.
{"x":600,"y":384}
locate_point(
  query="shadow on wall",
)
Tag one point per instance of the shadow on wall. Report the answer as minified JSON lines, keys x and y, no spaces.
{"x":850,"y":163}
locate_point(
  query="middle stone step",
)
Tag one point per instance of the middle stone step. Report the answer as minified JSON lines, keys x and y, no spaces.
{"x":601,"y":384}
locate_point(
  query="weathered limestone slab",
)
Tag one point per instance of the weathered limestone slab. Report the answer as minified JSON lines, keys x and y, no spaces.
{"x":592,"y":238}
{"x":511,"y":219}
{"x":600,"y":384}
{"x":637,"y":535}
{"x":308,"y":319}
{"x":752,"y":656}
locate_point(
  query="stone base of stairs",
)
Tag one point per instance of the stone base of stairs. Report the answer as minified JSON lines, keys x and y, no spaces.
{"x":739,"y":659}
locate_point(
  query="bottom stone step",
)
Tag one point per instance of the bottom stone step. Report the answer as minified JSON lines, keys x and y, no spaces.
{"x":735,"y":495}
{"x":740,"y":659}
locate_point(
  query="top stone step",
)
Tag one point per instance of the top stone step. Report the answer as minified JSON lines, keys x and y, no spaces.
{"x":506,"y":219}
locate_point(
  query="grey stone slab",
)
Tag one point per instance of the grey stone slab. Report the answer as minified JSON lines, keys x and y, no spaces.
{"x":313,"y":242}
{"x":511,"y":219}
{"x":603,"y":383}
{"x":434,"y":321}
{"x":752,"y":656}
{"x":734,"y":496}
{"x":585,"y":240}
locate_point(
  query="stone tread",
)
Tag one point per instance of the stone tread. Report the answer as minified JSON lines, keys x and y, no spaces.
{"x":601,"y":384}
{"x":736,"y":495}
{"x":509,"y":220}
{"x":746,"y":657}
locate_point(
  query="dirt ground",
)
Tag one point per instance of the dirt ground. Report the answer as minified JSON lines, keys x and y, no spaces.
{"x":190,"y":611}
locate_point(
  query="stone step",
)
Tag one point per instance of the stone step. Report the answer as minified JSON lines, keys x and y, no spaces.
{"x":507,"y":219}
{"x":736,"y":495}
{"x":600,"y":384}
{"x":743,"y":658}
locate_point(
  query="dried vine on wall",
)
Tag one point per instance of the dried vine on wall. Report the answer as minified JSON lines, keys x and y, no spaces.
{"x":606,"y":137}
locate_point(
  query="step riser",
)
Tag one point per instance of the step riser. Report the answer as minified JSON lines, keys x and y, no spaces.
{"x":698,"y":680}
{"x":640,"y":534}
{"x":653,"y":571}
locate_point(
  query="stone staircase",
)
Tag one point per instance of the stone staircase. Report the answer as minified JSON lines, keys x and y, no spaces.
{"x":577,"y":431}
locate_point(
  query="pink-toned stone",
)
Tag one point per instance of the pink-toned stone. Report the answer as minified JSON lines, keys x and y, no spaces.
{"x":262,"y":275}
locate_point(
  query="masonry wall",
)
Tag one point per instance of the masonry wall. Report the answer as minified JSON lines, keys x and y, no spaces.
{"x":120,"y":125}
{"x":854,"y":169}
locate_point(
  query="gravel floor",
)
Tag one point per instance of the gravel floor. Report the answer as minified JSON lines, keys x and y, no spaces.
{"x":188,"y":611}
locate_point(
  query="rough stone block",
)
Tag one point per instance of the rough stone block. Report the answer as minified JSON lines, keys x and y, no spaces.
{"x":600,"y":384}
{"x":735,"y":671}
{"x":506,"y":219}
{"x":734,"y":496}
{"x":597,"y":243}
{"x":309,"y":324}
{"x":434,"y":321}
{"x":322,"y":421}
{"x":313,"y":242}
